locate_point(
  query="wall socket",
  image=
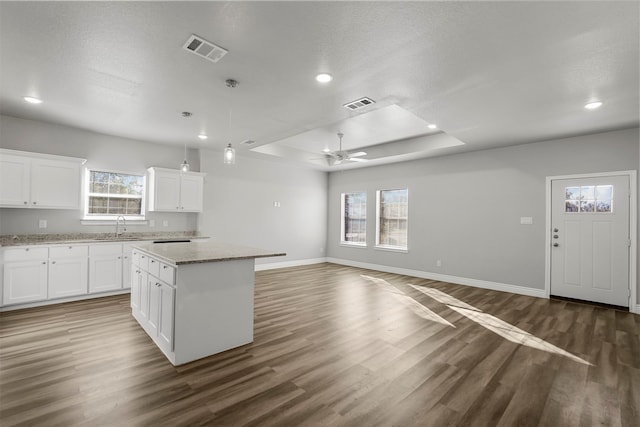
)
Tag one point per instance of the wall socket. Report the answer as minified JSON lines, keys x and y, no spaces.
{"x":165,"y":223}
{"x":42,"y":223}
{"x":438,"y":263}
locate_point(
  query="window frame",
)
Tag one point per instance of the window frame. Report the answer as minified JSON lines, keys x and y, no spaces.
{"x":343,"y":218}
{"x":111,"y":217}
{"x":391,"y":248}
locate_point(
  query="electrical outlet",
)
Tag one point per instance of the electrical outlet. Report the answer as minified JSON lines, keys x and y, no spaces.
{"x":165,"y":223}
{"x":438,"y":263}
{"x":42,"y":223}
{"x":152,"y":223}
{"x":321,"y":250}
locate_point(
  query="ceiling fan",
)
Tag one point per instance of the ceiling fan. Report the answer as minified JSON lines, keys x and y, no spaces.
{"x":337,"y":157}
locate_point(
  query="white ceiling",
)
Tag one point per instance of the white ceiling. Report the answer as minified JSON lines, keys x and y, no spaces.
{"x":489,"y":74}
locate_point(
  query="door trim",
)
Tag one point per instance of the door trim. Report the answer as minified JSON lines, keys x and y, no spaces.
{"x":634,"y":307}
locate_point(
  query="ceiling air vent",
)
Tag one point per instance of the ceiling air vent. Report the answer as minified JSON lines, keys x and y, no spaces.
{"x":204,"y":49}
{"x":359,"y":103}
{"x":249,"y":142}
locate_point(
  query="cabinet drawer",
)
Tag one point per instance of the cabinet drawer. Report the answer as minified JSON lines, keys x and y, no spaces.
{"x":72,"y":251}
{"x":167,"y":273}
{"x":154,"y":267}
{"x":106,"y":249}
{"x":25,"y":254}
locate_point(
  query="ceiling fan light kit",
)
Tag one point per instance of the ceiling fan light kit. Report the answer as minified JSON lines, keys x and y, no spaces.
{"x":337,"y":157}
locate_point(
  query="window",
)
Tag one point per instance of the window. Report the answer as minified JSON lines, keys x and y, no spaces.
{"x":110,"y":194}
{"x":392,"y":216}
{"x":354,"y":219}
{"x":589,"y":198}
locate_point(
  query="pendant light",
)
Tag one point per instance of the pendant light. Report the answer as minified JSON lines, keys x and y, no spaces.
{"x":184,"y":166}
{"x":229,"y":157}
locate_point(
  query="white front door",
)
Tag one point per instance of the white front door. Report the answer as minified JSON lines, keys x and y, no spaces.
{"x":590,"y":239}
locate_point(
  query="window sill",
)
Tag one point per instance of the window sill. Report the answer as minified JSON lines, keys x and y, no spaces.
{"x":353,"y":245}
{"x":391,"y":249}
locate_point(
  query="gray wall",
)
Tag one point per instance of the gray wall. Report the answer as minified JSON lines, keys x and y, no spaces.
{"x":101,"y":151}
{"x":465,"y":209}
{"x":239,"y":206}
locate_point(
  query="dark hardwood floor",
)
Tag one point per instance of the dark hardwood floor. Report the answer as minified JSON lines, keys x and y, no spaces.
{"x":335,"y":346}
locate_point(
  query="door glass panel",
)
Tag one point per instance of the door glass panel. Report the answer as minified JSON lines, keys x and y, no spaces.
{"x":573,"y":193}
{"x":589,"y":199}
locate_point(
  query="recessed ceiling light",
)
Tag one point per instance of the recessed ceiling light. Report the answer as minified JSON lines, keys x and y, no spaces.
{"x":202,"y":136}
{"x":593,"y":105}
{"x":324,"y":77}
{"x":326,"y":150}
{"x":432,"y":126}
{"x":32,"y":100}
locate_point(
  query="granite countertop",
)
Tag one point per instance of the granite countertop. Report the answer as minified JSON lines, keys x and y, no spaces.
{"x":201,"y":252}
{"x":64,"y":238}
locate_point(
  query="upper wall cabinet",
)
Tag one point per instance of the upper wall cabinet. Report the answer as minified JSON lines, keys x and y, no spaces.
{"x":175,"y":191}
{"x":33,"y":180}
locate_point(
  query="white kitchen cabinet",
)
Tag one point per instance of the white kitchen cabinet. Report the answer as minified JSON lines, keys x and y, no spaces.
{"x":126,"y":265}
{"x":105,"y":268}
{"x":15,"y":189}
{"x":136,"y":287}
{"x":33,"y":180}
{"x":67,"y":271}
{"x":167,"y":297}
{"x":153,"y":298}
{"x":175,"y":191}
{"x":25,"y":275}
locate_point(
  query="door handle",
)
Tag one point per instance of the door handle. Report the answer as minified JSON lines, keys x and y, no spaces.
{"x":555,"y":236}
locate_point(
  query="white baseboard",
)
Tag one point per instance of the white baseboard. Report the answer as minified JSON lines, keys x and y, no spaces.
{"x":637,"y":310}
{"x":484,"y":284}
{"x":286,"y":264}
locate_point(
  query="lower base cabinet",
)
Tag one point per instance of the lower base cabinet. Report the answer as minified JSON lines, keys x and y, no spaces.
{"x":24,"y":281}
{"x":153,"y":299}
{"x":67,"y":271}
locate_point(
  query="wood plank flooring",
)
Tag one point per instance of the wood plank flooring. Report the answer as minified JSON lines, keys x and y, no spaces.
{"x":334,"y":346}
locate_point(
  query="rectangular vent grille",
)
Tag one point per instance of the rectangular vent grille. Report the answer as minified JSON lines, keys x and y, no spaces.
{"x":204,"y":49}
{"x":249,"y":142}
{"x":359,"y":103}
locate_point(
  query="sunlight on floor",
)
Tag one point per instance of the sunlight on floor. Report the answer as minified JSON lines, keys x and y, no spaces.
{"x":498,"y":326}
{"x":413,"y":305}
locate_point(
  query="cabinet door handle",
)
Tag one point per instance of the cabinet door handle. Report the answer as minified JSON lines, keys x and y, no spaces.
{"x":53,"y":262}
{"x":118,"y":257}
{"x":25,"y":203}
{"x":27,"y":249}
{"x":126,"y":257}
{"x":153,"y":261}
{"x":164,"y":267}
{"x":44,"y":262}
{"x":34,"y":203}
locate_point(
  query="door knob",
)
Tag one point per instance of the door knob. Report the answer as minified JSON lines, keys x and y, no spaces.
{"x":555,"y":245}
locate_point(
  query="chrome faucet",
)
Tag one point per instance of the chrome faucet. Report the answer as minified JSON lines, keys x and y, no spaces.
{"x":124,"y":225}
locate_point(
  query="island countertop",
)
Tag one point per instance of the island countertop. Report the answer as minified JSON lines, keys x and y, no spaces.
{"x":201,"y":252}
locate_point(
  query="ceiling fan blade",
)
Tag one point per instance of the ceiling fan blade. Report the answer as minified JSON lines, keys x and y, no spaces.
{"x":358,"y":154}
{"x":357,"y":159}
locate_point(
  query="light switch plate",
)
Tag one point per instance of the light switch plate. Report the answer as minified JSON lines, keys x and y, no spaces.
{"x":526,"y":220}
{"x":42,"y":223}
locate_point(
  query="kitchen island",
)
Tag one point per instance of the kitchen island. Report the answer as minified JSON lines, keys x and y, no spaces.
{"x":195,"y":299}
